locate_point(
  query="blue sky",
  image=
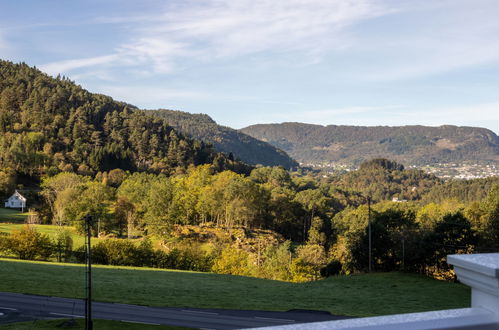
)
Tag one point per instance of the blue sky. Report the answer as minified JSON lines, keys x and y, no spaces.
{"x":342,"y":62}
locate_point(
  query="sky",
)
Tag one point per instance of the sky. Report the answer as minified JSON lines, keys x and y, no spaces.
{"x":243,"y":62}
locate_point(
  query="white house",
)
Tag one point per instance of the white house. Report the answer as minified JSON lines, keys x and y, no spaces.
{"x":16,"y":201}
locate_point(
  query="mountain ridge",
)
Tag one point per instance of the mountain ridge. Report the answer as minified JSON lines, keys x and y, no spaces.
{"x":225,"y":139}
{"x":412,"y":144}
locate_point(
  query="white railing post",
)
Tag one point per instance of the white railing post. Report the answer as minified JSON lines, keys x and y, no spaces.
{"x":481,"y":273}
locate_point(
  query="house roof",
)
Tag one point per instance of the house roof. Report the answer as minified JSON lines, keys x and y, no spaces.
{"x":16,"y":193}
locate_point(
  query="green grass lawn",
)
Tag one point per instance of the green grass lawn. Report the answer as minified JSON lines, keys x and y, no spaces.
{"x":11,"y":220}
{"x":49,"y":230}
{"x":355,"y":295}
{"x":12,"y":216}
{"x":80,"y":324}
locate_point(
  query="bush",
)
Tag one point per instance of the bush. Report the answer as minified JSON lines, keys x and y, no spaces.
{"x":234,"y":261}
{"x":28,"y":244}
{"x":302,"y":271}
{"x":118,"y":252}
{"x":4,"y":238}
{"x":331,"y":269}
{"x":123,"y":252}
{"x":185,"y":257}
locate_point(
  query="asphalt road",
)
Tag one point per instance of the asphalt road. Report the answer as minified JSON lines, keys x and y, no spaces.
{"x":16,"y":307}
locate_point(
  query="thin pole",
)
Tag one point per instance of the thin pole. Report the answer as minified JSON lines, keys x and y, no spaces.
{"x":403,"y":253}
{"x":369,"y":226}
{"x":88,"y":302}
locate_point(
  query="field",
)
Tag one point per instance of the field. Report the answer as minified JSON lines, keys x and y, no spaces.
{"x":80,"y":324}
{"x":356,"y":295}
{"x":49,"y":230}
{"x":11,"y":220}
{"x":12,"y":216}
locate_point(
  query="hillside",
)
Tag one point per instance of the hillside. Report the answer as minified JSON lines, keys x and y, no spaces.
{"x":51,"y":124}
{"x":226,"y":139}
{"x":384,"y":180}
{"x":412,"y":145}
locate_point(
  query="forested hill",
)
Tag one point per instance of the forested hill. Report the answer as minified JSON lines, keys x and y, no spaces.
{"x":412,"y":145}
{"x":225,"y":139}
{"x":51,"y":124}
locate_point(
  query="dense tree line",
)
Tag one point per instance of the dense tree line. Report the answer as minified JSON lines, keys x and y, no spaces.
{"x":466,"y":191}
{"x":127,"y":202}
{"x":382,"y":179}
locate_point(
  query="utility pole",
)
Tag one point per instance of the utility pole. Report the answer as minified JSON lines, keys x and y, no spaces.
{"x":88,"y":274}
{"x":369,"y":230}
{"x":403,"y":253}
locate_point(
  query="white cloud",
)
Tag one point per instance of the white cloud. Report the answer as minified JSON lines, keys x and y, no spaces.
{"x":219,"y":29}
{"x":231,"y":28}
{"x":69,"y":65}
{"x":203,"y":32}
{"x":456,"y":34}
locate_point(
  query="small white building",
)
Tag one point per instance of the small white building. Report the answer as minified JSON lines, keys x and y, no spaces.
{"x":16,"y":201}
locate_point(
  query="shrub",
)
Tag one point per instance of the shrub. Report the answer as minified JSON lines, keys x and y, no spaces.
{"x":4,"y":239}
{"x":117,"y":252}
{"x":331,"y":269}
{"x":234,"y":261}
{"x":29,"y":244}
{"x":185,"y":257}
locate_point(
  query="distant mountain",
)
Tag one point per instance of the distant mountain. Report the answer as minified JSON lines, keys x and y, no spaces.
{"x":411,"y":145}
{"x":225,"y":139}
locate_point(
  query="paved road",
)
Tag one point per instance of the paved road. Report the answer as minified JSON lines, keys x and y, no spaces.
{"x":20,"y":307}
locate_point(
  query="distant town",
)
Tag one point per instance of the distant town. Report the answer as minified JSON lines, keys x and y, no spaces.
{"x":441,"y":170}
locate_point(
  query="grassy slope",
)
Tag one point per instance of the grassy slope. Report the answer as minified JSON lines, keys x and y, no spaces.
{"x":358,"y":295}
{"x":80,"y":324}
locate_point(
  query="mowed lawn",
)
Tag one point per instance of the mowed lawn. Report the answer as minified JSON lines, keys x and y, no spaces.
{"x":49,"y":230}
{"x":355,"y":295}
{"x":11,"y":220}
{"x":12,"y":216}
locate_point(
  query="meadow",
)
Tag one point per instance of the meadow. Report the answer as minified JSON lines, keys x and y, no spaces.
{"x":49,"y":230}
{"x":12,"y":216}
{"x":353,"y":295}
